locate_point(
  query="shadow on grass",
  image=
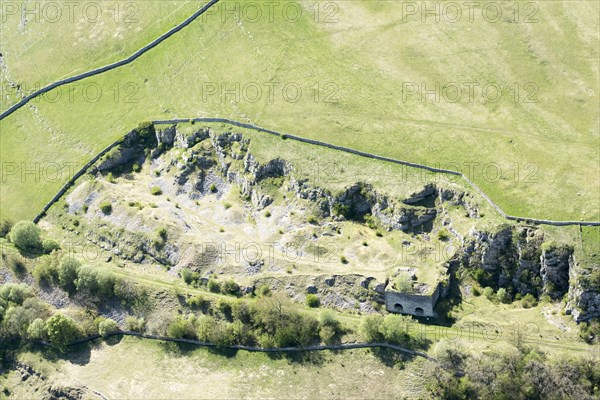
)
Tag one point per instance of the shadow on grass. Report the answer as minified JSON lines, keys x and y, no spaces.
{"x":79,"y":354}
{"x":300,"y":357}
{"x":391,"y":358}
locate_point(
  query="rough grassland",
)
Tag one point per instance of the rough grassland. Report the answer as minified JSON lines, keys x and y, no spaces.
{"x":546,"y":151}
{"x":135,"y":368}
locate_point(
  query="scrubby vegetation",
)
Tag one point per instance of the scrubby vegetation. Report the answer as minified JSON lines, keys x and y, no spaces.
{"x":27,"y":237}
{"x":267,"y":322}
{"x":511,"y":372}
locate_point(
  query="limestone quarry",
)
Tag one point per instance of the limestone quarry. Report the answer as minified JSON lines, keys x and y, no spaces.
{"x":188,"y":198}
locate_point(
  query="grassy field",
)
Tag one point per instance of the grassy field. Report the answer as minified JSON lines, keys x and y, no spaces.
{"x":43,"y":42}
{"x":137,"y":368}
{"x":351,"y":82}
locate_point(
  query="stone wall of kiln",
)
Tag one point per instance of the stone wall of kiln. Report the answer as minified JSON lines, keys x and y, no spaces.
{"x":412,"y":304}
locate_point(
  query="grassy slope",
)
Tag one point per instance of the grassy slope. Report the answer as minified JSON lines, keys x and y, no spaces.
{"x":558,"y":134}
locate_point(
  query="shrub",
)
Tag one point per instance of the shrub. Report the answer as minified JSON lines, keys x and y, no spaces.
{"x":268,"y":214}
{"x":46,"y":272}
{"x":67,"y":274}
{"x":590,"y":330}
{"x":106,"y":283}
{"x":213,"y":188}
{"x":5,"y":227}
{"x":181,"y":328}
{"x":204,"y":328}
{"x":503,"y":296}
{"x":16,"y":264}
{"x":136,"y":168}
{"x":15,"y":293}
{"x":443,"y":235}
{"x":156,"y":191}
{"x":370,"y":328}
{"x":37,"y":329}
{"x":343,"y":260}
{"x":196,"y":302}
{"x":107,"y":327}
{"x":264,"y":290}
{"x":404,"y":283}
{"x":27,"y":237}
{"x":488,"y":292}
{"x":49,"y":246}
{"x":224,"y":307}
{"x":87,"y":280}
{"x":214,"y":286}
{"x":135,"y":324}
{"x":106,"y":207}
{"x":230,"y":287}
{"x":61,"y":331}
{"x":330,"y":327}
{"x":476,"y":291}
{"x":394,"y":328}
{"x":312,"y":220}
{"x":162,"y":233}
{"x":312,"y":300}
{"x":340,"y":209}
{"x":528,"y":301}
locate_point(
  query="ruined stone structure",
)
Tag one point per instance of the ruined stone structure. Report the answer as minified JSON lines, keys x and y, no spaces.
{"x":412,"y":304}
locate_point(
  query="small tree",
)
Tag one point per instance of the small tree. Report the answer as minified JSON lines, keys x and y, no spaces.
{"x":107,"y":327}
{"x":27,"y":237}
{"x":503,"y":296}
{"x":67,"y":273}
{"x":37,"y":329}
{"x":87,"y":280}
{"x":61,"y":331}
{"x":370,"y":328}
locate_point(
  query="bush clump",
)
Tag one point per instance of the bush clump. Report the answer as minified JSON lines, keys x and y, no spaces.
{"x":27,"y":237}
{"x":312,"y":300}
{"x":61,"y":331}
{"x":529,"y":301}
{"x":107,"y":327}
{"x":106,"y":207}
{"x":5,"y":227}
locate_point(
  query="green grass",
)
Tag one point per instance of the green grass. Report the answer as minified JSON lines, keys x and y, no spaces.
{"x":556,"y":138}
{"x":136,"y":368}
{"x":79,"y":40}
